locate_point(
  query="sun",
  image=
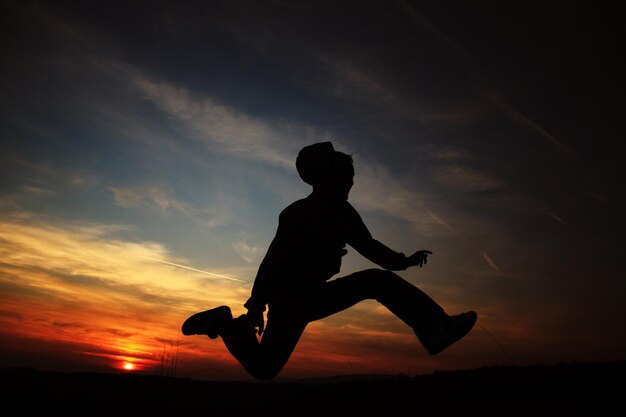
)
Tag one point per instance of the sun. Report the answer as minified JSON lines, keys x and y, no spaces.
{"x":128,"y":366}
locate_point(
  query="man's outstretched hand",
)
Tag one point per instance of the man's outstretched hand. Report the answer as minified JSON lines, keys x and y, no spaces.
{"x":419,"y":258}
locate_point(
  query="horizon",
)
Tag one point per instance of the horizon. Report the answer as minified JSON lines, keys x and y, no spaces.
{"x":147,"y":152}
{"x":333,"y":378}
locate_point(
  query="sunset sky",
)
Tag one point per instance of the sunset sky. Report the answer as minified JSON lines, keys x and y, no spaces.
{"x":147,"y":148}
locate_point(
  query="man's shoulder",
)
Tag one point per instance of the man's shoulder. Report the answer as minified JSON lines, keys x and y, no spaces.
{"x":349,"y":207}
{"x":298,"y":206}
{"x":303,"y":202}
{"x":308,"y":205}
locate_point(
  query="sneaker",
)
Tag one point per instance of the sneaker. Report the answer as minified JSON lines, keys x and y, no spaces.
{"x":449,"y":331}
{"x":207,"y":322}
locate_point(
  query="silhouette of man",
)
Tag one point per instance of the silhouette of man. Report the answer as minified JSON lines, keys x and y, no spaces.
{"x":294,"y":279}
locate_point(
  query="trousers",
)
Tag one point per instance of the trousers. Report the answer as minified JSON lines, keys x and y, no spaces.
{"x":288,"y":316}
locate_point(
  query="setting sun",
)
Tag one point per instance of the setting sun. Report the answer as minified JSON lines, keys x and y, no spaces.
{"x":128,"y":366}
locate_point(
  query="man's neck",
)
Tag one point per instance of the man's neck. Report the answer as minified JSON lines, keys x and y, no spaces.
{"x":326,"y":197}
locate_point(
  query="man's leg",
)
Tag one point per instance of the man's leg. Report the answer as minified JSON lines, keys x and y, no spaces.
{"x":263,"y":360}
{"x":402,"y":298}
{"x":435,"y":329}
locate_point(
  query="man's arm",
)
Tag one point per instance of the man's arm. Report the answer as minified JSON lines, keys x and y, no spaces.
{"x":380,"y":254}
{"x":387,"y":258}
{"x":361,"y":239}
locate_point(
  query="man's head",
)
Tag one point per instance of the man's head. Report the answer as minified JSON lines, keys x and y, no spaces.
{"x":329,"y":172}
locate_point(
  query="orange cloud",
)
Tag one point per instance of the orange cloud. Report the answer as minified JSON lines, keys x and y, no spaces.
{"x":117,"y":300}
{"x":77,"y":291}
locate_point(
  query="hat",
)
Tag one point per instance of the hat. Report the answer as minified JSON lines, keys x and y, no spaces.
{"x":314,"y":161}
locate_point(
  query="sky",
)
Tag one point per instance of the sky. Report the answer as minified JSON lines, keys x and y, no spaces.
{"x":147,"y":148}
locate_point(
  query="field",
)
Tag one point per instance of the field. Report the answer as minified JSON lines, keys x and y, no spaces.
{"x":579,"y":389}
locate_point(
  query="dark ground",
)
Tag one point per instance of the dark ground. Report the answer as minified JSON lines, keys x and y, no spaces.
{"x":580,"y":389}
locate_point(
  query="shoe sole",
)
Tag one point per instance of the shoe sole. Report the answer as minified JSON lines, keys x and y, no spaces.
{"x":202,"y":323}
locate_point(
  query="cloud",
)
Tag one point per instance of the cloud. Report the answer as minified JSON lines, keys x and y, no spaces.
{"x":349,"y":81}
{"x":377,"y":190}
{"x":44,"y":177}
{"x":490,"y":262}
{"x":78,"y":284}
{"x":481,"y":85}
{"x":225,"y":130}
{"x":68,"y":261}
{"x":463,"y":178}
{"x":250,"y":254}
{"x":162,"y":200}
{"x":555,"y":217}
{"x":214,"y":123}
{"x":245,"y":136}
{"x":382,"y":193}
{"x":376,"y":97}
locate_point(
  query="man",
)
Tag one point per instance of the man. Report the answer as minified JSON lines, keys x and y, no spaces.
{"x":294,"y":279}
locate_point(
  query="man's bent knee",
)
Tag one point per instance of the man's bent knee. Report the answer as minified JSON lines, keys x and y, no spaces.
{"x":262,"y":371}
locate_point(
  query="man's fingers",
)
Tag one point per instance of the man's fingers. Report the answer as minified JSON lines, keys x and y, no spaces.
{"x":422,"y":257}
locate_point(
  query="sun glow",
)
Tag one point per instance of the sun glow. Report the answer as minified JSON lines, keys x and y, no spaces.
{"x":128,"y":366}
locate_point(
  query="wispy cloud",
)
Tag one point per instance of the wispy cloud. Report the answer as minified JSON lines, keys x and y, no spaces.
{"x":224,"y":129}
{"x":162,"y":200}
{"x":202,"y":271}
{"x":240,"y":134}
{"x":377,"y":190}
{"x":480,"y":84}
{"x":86,"y":262}
{"x":349,"y":81}
{"x":79,"y":284}
{"x":555,"y":217}
{"x":373,"y":93}
{"x":490,"y":262}
{"x":46,"y":177}
{"x":214,"y":123}
{"x":251,"y":254}
{"x":463,"y":178}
